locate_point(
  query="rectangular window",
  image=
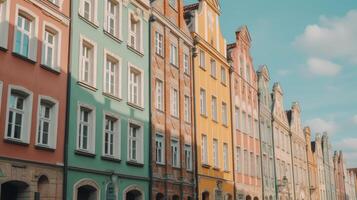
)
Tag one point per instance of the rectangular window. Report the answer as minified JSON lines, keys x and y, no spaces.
{"x":4,"y":24}
{"x":86,"y":129}
{"x":159,"y":95}
{"x":252,"y":164}
{"x":213,"y":68}
{"x":160,"y":149}
{"x":187,"y":109}
{"x":16,"y":116}
{"x":174,"y":103}
{"x":173,"y":54}
{"x":23,"y":35}
{"x":202,"y":59}
{"x":175,"y":150}
{"x":87,"y":66}
{"x":237,"y":117}
{"x":225,"y":156}
{"x":203,"y":105}
{"x":244,"y":122}
{"x":256,"y":129}
{"x":186,"y":63}
{"x":224,"y":114}
{"x":50,"y":49}
{"x":215,"y":153}
{"x":188,"y":157}
{"x":204,"y":150}
{"x":214,"y":108}
{"x":111,"y":137}
{"x":258,"y":166}
{"x":223,"y":75}
{"x":136,"y":86}
{"x":135,"y":143}
{"x":238,"y":160}
{"x":112,"y":17}
{"x":88,"y":9}
{"x":246,"y":162}
{"x":46,"y":131}
{"x":159,"y":44}
{"x":112,"y":76}
{"x":135,"y":32}
{"x":249,"y":127}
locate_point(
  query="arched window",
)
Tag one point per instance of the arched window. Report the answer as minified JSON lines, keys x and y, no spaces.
{"x":13,"y":190}
{"x":43,"y":187}
{"x":110,"y":193}
{"x":159,"y":196}
{"x":86,"y":189}
{"x":175,"y":197}
{"x":205,"y":196}
{"x":133,"y":193}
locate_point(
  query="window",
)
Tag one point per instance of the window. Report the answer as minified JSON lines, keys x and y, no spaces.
{"x":186,"y":63}
{"x":135,"y":143}
{"x":238,"y":160}
{"x":202,"y":59}
{"x":252,"y":164}
{"x":224,"y":114}
{"x":175,"y":150}
{"x":159,"y":44}
{"x":187,"y":109}
{"x":188,"y":157}
{"x":256,"y":129}
{"x":135,"y":32}
{"x":50,"y":48}
{"x":47,"y":122}
{"x":112,"y":20}
{"x":214,"y":108}
{"x":244,"y":122}
{"x":86,"y":129}
{"x":213,"y":68}
{"x":223,"y":75}
{"x":173,"y":54}
{"x":54,"y":1}
{"x":160,"y":149}
{"x":249,"y":127}
{"x":111,"y":136}
{"x":237,"y":117}
{"x":136,"y":86}
{"x":25,"y":41}
{"x":203,"y":108}
{"x":215,"y":153}
{"x":19,"y":112}
{"x":174,"y":102}
{"x":258,"y":166}
{"x":247,"y":71}
{"x":159,"y":95}
{"x":204,"y":150}
{"x":88,"y":10}
{"x":246,"y":162}
{"x":87,"y":63}
{"x":112,"y":74}
{"x":225,"y":156}
{"x":4,"y":23}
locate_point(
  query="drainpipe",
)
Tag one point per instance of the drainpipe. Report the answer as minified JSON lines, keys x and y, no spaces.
{"x":68,"y":100}
{"x":260,"y":144}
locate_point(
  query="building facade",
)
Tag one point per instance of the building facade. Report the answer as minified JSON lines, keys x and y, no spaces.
{"x":282,"y":146}
{"x":339,"y":170}
{"x":172,"y":116}
{"x":266,"y":134}
{"x":33,"y":85}
{"x":317,"y":145}
{"x":328,"y":168}
{"x":298,"y":153}
{"x":108,"y":137}
{"x":246,"y":138}
{"x":312,"y":166}
{"x":212,"y":99}
{"x":350,"y":184}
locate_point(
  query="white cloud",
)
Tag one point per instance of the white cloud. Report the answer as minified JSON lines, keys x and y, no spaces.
{"x":323,"y":67}
{"x":331,"y":38}
{"x":318,"y":125}
{"x":283,"y":72}
{"x":354,"y":120}
{"x":349,"y":150}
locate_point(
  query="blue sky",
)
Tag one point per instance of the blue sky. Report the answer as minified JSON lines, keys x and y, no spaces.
{"x":310,"y":47}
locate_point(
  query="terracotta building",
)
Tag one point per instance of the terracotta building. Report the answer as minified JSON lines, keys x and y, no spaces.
{"x":312,"y":166}
{"x":339,"y":170}
{"x":213,"y":104}
{"x":33,"y":85}
{"x":172,"y":119}
{"x":246,"y":138}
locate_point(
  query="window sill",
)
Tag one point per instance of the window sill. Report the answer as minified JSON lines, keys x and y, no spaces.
{"x":225,"y":125}
{"x":226,"y":171}
{"x":135,"y":50}
{"x":160,"y":111}
{"x":176,"y":167}
{"x":174,"y":65}
{"x":23,"y":58}
{"x":44,"y":147}
{"x":110,"y":158}
{"x":160,"y":55}
{"x":175,"y":117}
{"x":111,"y":96}
{"x":86,"y":85}
{"x":135,"y":106}
{"x":204,"y":115}
{"x":161,"y":164}
{"x":203,"y":68}
{"x":134,"y":163}
{"x":84,"y":153}
{"x":50,"y":69}
{"x":224,"y":84}
{"x":215,"y":121}
{"x":215,"y":78}
{"x":4,"y":49}
{"x":115,"y":38}
{"x":187,"y":74}
{"x":189,"y":170}
{"x":94,"y":25}
{"x":216,"y":168}
{"x":15,"y":141}
{"x":188,"y":122}
{"x":206,"y":166}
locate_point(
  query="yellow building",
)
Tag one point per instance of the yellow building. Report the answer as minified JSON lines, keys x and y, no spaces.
{"x":212,"y":100}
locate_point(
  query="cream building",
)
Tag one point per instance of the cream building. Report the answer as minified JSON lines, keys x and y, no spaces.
{"x":320,"y":167}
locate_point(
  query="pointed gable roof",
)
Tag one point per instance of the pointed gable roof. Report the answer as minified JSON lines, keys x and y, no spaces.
{"x":215,"y":5}
{"x":263,"y":71}
{"x":243,"y":34}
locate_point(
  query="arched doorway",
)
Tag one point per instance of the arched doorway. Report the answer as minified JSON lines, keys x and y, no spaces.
{"x":134,"y":195}
{"x":159,"y":196}
{"x":248,"y":198}
{"x":228,"y":197}
{"x":86,"y":189}
{"x":13,"y":190}
{"x":43,"y":187}
{"x":256,"y":198}
{"x":175,"y":197}
{"x":205,"y":196}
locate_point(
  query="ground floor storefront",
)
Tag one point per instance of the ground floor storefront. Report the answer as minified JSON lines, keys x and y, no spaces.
{"x":210,"y":188}
{"x":164,"y":189}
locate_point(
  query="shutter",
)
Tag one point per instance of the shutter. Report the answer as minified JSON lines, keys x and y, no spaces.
{"x":4,"y":25}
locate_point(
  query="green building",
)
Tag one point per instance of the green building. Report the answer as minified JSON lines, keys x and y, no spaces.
{"x":108,"y":122}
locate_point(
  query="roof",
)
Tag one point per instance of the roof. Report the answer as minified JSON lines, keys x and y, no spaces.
{"x":191,"y":7}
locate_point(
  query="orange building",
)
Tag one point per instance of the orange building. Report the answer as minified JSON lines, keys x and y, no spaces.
{"x":33,"y":85}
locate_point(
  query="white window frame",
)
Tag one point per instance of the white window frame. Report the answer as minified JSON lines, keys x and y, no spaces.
{"x":188,"y":157}
{"x":141,"y":97}
{"x":238,"y":159}
{"x":92,"y":59}
{"x":91,"y":128}
{"x":202,"y":59}
{"x":117,"y":61}
{"x":213,"y":68}
{"x":214,"y":108}
{"x":116,"y":132}
{"x":139,"y":142}
{"x":56,"y":58}
{"x":173,"y":54}
{"x":225,"y":157}
{"x":27,"y":113}
{"x":4,"y":23}
{"x":33,"y":33}
{"x":117,"y":17}
{"x":224,"y":113}
{"x":187,"y":109}
{"x":93,"y":14}
{"x":204,"y":153}
{"x":138,"y":34}
{"x":159,"y":43}
{"x":159,"y":87}
{"x":215,"y":149}
{"x":223,"y":75}
{"x":186,"y":62}
{"x":175,"y":102}
{"x":52,"y":135}
{"x":1,"y":87}
{"x":237,"y":118}
{"x":160,"y":138}
{"x":203,"y":102}
{"x":175,"y":149}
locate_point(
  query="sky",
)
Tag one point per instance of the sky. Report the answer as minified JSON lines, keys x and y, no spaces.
{"x":310,"y":47}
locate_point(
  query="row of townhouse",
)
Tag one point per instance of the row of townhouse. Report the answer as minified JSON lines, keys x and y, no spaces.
{"x":139,"y":99}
